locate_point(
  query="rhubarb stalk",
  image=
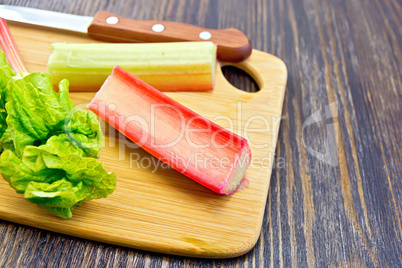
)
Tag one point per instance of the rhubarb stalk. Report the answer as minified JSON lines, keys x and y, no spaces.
{"x":10,"y":49}
{"x":183,"y":66}
{"x":191,"y":144}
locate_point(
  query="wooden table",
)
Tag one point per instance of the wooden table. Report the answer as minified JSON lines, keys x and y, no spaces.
{"x":336,"y":193}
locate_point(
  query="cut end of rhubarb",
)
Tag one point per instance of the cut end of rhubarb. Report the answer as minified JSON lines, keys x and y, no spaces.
{"x":237,"y":179}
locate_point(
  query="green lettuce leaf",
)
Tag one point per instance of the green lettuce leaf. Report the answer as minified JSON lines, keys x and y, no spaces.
{"x":82,"y":129}
{"x":49,"y":144}
{"x":6,"y":74}
{"x":59,"y":197}
{"x":19,"y":172}
{"x":34,"y":110}
{"x":56,"y":183}
{"x":3,"y":115}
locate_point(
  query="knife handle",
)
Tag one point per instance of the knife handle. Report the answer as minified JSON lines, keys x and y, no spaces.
{"x":232,"y":44}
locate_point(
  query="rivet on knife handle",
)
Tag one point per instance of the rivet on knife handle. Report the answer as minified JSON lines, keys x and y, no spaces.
{"x":233,"y":45}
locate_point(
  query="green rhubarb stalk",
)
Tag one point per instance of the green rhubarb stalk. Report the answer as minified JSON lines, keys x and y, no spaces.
{"x":182,"y":66}
{"x":198,"y":148}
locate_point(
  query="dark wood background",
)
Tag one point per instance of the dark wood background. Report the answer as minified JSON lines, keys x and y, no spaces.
{"x":341,"y":207}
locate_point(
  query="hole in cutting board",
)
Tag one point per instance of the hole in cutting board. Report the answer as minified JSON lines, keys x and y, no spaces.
{"x":240,"y":79}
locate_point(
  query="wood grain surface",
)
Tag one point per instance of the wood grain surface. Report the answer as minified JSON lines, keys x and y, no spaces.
{"x":335,"y":196}
{"x":155,"y":207}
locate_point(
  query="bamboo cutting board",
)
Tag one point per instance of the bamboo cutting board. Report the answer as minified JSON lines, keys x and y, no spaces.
{"x":154,"y":207}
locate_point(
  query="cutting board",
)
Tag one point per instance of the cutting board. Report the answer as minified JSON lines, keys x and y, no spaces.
{"x":154,"y":207}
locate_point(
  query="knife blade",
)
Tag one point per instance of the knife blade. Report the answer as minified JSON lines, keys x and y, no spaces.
{"x":232,"y":44}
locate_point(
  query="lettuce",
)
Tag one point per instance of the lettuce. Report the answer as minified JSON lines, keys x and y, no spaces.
{"x":58,"y":184}
{"x":6,"y":74}
{"x":49,"y":145}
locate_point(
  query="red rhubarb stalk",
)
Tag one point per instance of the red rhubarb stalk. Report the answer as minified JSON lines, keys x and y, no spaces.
{"x":189,"y":143}
{"x":10,"y":49}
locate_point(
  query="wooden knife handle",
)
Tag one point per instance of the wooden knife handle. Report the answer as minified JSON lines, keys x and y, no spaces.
{"x":233,"y":45}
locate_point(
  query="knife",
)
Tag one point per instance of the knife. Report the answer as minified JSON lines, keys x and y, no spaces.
{"x":232,"y":44}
